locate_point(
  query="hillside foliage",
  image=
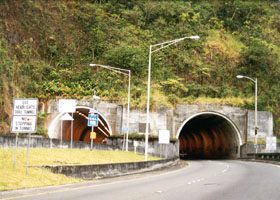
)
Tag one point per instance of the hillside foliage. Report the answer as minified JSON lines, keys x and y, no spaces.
{"x":46,"y":48}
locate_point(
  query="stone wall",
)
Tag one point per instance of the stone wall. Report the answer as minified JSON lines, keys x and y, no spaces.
{"x":164,"y":118}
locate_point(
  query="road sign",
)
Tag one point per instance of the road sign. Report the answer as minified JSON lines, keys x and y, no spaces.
{"x":24,"y":118}
{"x":135,"y":143}
{"x":24,"y":124}
{"x":124,"y":129}
{"x":24,"y":107}
{"x":164,"y":137}
{"x":92,"y":135}
{"x":67,"y":105}
{"x":271,"y":144}
{"x":93,"y":120}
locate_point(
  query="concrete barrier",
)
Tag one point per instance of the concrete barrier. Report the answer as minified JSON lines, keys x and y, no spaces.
{"x":111,"y":170}
{"x":265,"y":156}
{"x":248,"y":150}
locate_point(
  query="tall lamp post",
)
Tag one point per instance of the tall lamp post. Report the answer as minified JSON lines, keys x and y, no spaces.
{"x":256,"y":107}
{"x":127,"y":73}
{"x":157,"y":48}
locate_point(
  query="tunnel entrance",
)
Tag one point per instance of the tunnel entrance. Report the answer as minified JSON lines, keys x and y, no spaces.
{"x":209,"y":135}
{"x":81,"y":130}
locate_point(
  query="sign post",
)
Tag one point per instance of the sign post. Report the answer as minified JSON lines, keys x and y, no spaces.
{"x":15,"y":152}
{"x":135,"y":144}
{"x":68,"y":105}
{"x":64,"y":118}
{"x":24,"y":120}
{"x":93,"y":122}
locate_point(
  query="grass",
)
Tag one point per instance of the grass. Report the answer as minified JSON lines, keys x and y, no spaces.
{"x":16,"y":178}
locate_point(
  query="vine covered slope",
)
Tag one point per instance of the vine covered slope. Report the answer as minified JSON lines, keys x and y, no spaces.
{"x":46,"y":48}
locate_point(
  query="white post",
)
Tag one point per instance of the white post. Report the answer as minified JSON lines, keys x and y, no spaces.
{"x":61,"y":133}
{"x":158,"y":47}
{"x":256,"y":109}
{"x":72,"y":132}
{"x":256,"y":114}
{"x":128,"y":108}
{"x":15,"y":152}
{"x":148,"y":106}
{"x":91,"y":139}
{"x":27,"y":158}
{"x":127,"y":73}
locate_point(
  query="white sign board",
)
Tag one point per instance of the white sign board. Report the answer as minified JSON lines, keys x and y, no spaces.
{"x":67,"y":105}
{"x":24,"y":124}
{"x":164,"y":137}
{"x":24,"y":116}
{"x":25,"y":107}
{"x":135,"y":143}
{"x":271,"y":143}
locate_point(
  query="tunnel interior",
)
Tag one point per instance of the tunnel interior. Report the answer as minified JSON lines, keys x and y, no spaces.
{"x":208,"y":136}
{"x":81,"y":130}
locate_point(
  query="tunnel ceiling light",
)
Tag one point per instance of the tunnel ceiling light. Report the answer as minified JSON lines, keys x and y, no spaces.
{"x":103,"y":131}
{"x":101,"y":121}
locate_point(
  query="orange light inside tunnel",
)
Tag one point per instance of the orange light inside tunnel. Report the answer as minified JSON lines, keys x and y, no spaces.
{"x":100,"y":121}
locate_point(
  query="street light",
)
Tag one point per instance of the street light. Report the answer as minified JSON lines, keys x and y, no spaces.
{"x":159,"y":47}
{"x":256,"y":106}
{"x":127,"y":73}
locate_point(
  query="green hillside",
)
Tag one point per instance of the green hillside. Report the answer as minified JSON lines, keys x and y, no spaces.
{"x":46,"y":48}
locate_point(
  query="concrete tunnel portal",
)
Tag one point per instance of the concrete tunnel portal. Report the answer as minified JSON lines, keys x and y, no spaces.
{"x":81,"y":130}
{"x":209,"y":135}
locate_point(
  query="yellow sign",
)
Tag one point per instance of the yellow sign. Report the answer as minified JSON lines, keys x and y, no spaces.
{"x":92,"y":135}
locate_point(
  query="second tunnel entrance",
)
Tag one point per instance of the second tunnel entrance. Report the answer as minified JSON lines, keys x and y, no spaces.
{"x":209,"y":136}
{"x":81,"y":130}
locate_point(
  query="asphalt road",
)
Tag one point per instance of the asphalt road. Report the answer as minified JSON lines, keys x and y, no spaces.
{"x":207,"y":180}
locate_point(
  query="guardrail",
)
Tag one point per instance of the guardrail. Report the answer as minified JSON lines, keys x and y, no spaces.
{"x":265,"y":156}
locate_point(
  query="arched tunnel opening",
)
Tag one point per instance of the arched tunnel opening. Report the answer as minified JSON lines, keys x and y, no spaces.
{"x":81,"y":130}
{"x":209,"y":136}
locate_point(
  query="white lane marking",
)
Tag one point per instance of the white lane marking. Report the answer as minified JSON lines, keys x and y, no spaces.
{"x":275,"y":165}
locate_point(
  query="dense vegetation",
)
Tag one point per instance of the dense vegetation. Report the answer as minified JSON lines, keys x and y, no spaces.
{"x":46,"y":48}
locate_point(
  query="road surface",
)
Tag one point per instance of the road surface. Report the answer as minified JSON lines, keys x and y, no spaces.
{"x":200,"y":180}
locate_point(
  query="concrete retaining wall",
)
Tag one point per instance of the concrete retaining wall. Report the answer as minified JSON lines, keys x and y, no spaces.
{"x":111,"y":170}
